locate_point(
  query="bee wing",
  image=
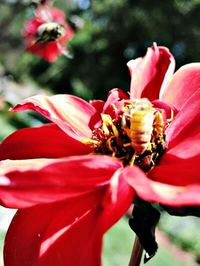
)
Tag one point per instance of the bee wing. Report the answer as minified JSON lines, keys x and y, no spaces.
{"x":66,"y":52}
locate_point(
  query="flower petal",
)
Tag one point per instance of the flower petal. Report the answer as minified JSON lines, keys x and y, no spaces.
{"x":48,"y":13}
{"x":67,"y":229}
{"x":112,"y":104}
{"x":25,"y":183}
{"x":157,"y":192}
{"x":53,"y":234}
{"x":183,"y":84}
{"x":70,"y":113}
{"x":176,"y":171}
{"x":183,"y":134}
{"x":96,"y":119}
{"x":47,"y":141}
{"x":48,"y":51}
{"x":151,"y":74}
{"x":116,"y":202}
{"x":114,"y":96}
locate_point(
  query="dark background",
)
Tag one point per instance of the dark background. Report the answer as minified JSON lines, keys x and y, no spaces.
{"x":113,"y":32}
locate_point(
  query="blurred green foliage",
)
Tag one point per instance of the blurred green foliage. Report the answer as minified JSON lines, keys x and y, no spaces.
{"x":184,"y":232}
{"x":113,"y":32}
{"x":118,"y":243}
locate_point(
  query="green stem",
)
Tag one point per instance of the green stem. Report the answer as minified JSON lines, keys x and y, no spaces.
{"x":136,"y":253}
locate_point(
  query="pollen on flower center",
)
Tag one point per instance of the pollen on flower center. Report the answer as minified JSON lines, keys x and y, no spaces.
{"x":136,"y":135}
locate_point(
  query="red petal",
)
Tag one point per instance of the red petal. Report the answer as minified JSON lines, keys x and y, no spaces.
{"x":30,"y":30}
{"x":183,"y":84}
{"x":98,"y":105}
{"x":151,"y":73}
{"x":48,"y":51}
{"x":69,"y":233}
{"x":48,"y":14}
{"x":70,"y":113}
{"x":113,"y":101}
{"x":55,"y":234}
{"x":180,"y":165}
{"x":183,"y":134}
{"x":117,"y":201}
{"x":162,"y":193}
{"x":96,"y":119}
{"x":176,"y":171}
{"x":115,"y":95}
{"x":47,"y":141}
{"x":166,"y":108}
{"x":25,"y":183}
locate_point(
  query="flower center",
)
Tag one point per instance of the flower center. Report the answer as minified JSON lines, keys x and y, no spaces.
{"x":136,"y":135}
{"x":49,"y":32}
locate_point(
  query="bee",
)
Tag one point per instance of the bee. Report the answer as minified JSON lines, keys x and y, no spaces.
{"x":49,"y":32}
{"x":137,"y":121}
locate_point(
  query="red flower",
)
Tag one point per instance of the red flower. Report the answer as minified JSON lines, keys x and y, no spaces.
{"x":47,"y":33}
{"x":74,"y":178}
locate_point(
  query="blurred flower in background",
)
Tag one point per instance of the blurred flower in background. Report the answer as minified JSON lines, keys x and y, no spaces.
{"x":47,"y":33}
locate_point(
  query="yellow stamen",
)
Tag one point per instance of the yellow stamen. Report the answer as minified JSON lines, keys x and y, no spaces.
{"x":108,"y":142}
{"x":107,"y":121}
{"x":131,"y":163}
{"x":127,"y":144}
{"x":88,"y":141}
{"x":115,"y":131}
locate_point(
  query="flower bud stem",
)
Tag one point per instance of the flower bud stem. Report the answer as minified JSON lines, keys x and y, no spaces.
{"x":136,"y":253}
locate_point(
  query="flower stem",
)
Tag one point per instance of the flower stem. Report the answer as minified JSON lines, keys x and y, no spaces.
{"x":136,"y":253}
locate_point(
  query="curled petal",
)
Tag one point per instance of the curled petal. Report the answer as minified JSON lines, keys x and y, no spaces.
{"x":152,"y":73}
{"x":184,"y":83}
{"x":115,"y":95}
{"x":113,"y":101}
{"x":158,"y":192}
{"x":70,"y":113}
{"x":25,"y":183}
{"x":96,"y":119}
{"x":183,"y":135}
{"x":47,"y":141}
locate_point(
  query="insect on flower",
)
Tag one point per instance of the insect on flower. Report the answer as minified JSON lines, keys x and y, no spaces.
{"x":140,"y":115}
{"x":81,"y":172}
{"x":47,"y":33}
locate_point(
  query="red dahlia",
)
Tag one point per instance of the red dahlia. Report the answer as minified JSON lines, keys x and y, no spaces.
{"x":74,"y":178}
